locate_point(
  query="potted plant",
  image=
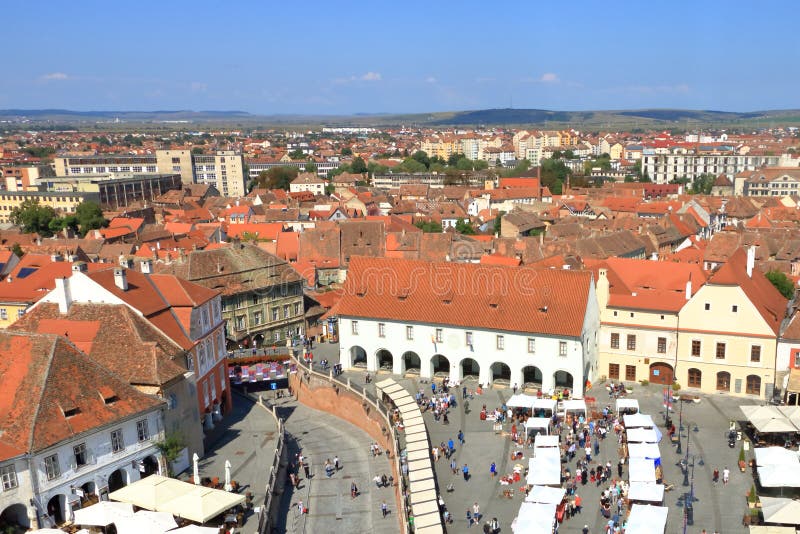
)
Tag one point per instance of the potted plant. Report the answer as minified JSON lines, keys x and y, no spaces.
{"x":742,"y":463}
{"x":752,"y":498}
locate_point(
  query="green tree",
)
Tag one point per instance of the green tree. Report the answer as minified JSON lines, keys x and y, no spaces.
{"x":297,"y":154}
{"x":453,"y":159}
{"x":411,"y":165}
{"x":553,"y":174}
{"x":702,"y":184}
{"x":781,"y":282}
{"x":197,"y":151}
{"x":346,"y":151}
{"x":481,"y":165}
{"x":521,"y":167}
{"x":358,"y":165}
{"x":311,"y":167}
{"x":41,"y":152}
{"x":422,"y":157}
{"x":464,"y":164}
{"x":498,"y":222}
{"x":17,"y":250}
{"x":277,"y":178}
{"x":464,"y":227}
{"x":429,"y":227}
{"x":32,"y":217}
{"x":88,"y":216}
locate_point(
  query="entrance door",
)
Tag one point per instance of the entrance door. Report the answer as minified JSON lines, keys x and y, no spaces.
{"x":661,"y":373}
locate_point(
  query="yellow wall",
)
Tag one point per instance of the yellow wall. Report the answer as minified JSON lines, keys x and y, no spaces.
{"x":11,"y":313}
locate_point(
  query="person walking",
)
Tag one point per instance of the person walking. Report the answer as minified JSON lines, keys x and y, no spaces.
{"x":353,"y":490}
{"x":726,"y":473}
{"x":336,"y":464}
{"x":578,"y":503}
{"x":464,"y":392}
{"x":465,"y":472}
{"x":307,"y":469}
{"x":493,"y":469}
{"x":453,"y":466}
{"x":715,"y":476}
{"x":384,"y":509}
{"x":461,"y":437}
{"x":451,"y":445}
{"x":476,"y":512}
{"x":469,"y":518}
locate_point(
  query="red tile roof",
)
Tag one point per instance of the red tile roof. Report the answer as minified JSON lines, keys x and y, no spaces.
{"x":516,"y":299}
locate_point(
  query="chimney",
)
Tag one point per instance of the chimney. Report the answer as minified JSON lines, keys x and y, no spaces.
{"x":79,"y":267}
{"x":63,"y":295}
{"x":120,"y":278}
{"x":689,"y":287}
{"x":751,"y":260}
{"x":55,"y":257}
{"x":147,"y":266}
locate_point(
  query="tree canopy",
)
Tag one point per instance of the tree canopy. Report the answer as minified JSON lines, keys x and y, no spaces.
{"x":33,"y":217}
{"x":781,"y":282}
{"x":429,"y":227}
{"x":464,"y":227}
{"x":277,"y":178}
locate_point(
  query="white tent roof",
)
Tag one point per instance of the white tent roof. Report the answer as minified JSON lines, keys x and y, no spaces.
{"x":767,"y":419}
{"x":638,"y":420}
{"x":641,"y":470}
{"x":432,"y":529}
{"x":201,"y":504}
{"x":545,"y":404}
{"x":422,"y":485}
{"x":642,"y":435}
{"x":427,"y":521}
{"x":574,"y":405}
{"x":408,"y":410}
{"x":546,"y":495}
{"x":194,"y":529}
{"x":426,"y":507}
{"x":421,"y":445}
{"x":406,"y":400}
{"x":646,"y":519}
{"x":140,"y":524}
{"x":417,"y":435}
{"x":416,"y":427}
{"x":627,"y":403}
{"x":537,"y":422}
{"x":645,"y":491}
{"x":643,"y":450}
{"x":422,"y":474}
{"x":779,"y":476}
{"x":551,"y":453}
{"x":771,"y":529}
{"x":775,"y":456}
{"x":534,"y":518}
{"x":418,"y":465}
{"x":521,"y":401}
{"x":413,"y":420}
{"x":417,"y":455}
{"x":792,"y":413}
{"x":151,"y":491}
{"x":545,"y":441}
{"x":780,"y":510}
{"x":383,"y":384}
{"x":544,"y":470}
{"x":423,"y":496}
{"x":103,"y":513}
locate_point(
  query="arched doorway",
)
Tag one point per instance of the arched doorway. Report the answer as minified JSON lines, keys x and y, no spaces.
{"x":440,"y":366}
{"x":562,"y":379}
{"x":531,"y":377}
{"x":501,"y":373}
{"x":753,"y":385}
{"x":56,"y":508}
{"x":411,"y":363}
{"x":358,"y":357}
{"x":150,"y":465}
{"x":723,"y":381}
{"x":117,"y":480}
{"x":16,"y":514}
{"x":661,"y":373}
{"x":695,"y":378}
{"x":385,"y":360}
{"x":470,"y":369}
{"x":89,"y":494}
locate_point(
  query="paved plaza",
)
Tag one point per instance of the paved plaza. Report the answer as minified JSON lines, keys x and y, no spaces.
{"x":716,"y":507}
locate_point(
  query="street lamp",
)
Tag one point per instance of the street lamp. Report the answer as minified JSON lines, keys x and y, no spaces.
{"x":680,"y":426}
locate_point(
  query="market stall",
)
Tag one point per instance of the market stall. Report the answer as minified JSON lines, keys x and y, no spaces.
{"x":646,"y":519}
{"x":646,"y":492}
{"x":534,"y":518}
{"x":627,"y":406}
{"x":638,"y":420}
{"x":537,"y":425}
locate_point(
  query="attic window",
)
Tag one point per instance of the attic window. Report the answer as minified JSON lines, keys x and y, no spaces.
{"x":108,"y":394}
{"x":402,"y":293}
{"x":543,"y":309}
{"x":71,"y":412}
{"x":494,"y":301}
{"x":447,"y":297}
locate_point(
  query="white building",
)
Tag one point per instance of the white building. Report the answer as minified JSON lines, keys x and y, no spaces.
{"x":521,"y":325}
{"x":307,"y":181}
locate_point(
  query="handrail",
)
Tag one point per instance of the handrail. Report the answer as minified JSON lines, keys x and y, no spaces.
{"x":264,"y":522}
{"x":385,"y":413}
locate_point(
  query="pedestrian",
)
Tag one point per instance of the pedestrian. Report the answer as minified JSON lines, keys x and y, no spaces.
{"x":377,"y":480}
{"x":619,"y":466}
{"x":596,"y":448}
{"x":353,"y":490}
{"x":451,"y":445}
{"x":476,"y":512}
{"x":715,"y":476}
{"x":384,"y":480}
{"x":464,"y":392}
{"x":469,"y":518}
{"x":578,"y":503}
{"x":493,"y":469}
{"x":384,"y":509}
{"x":307,"y":469}
{"x":433,"y":388}
{"x":585,"y":529}
{"x":453,"y":466}
{"x":726,"y":473}
{"x":300,"y":508}
{"x":515,"y":388}
{"x":336,"y":463}
{"x":465,"y":472}
{"x":461,"y":437}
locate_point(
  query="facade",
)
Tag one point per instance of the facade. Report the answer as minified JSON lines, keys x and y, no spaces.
{"x":262,"y":295}
{"x":62,"y":202}
{"x":535,"y":328}
{"x":111,"y":164}
{"x":115,"y":191}
{"x":394,"y":181}
{"x":256,"y":167}
{"x":224,"y":169}
{"x":308,"y":181}
{"x":72,"y":430}
{"x":774,"y":182}
{"x":176,"y":161}
{"x":663,"y":168}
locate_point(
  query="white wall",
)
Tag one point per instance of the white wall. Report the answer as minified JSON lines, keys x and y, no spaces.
{"x":21,"y":495}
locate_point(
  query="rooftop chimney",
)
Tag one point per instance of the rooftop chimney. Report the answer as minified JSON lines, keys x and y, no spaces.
{"x":147,"y":266}
{"x":689,"y":287}
{"x":120,"y":279}
{"x":751,"y":260}
{"x":55,"y":257}
{"x":79,"y":267}
{"x":63,"y":295}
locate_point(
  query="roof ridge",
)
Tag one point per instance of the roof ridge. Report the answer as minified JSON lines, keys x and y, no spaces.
{"x":44,"y":384}
{"x":169,"y":308}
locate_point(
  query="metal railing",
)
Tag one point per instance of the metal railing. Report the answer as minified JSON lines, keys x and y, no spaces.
{"x":264,"y":523}
{"x":386,"y":415}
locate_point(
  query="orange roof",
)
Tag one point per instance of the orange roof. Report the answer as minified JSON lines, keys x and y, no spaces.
{"x":267,"y":231}
{"x":496,"y":259}
{"x":515,"y":299}
{"x":288,"y":245}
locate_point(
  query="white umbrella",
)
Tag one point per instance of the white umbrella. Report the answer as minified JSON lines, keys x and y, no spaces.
{"x":138,"y":525}
{"x":49,"y":531}
{"x":160,"y":519}
{"x":194,"y":529}
{"x":228,"y":486}
{"x":103,"y":513}
{"x":195,"y":469}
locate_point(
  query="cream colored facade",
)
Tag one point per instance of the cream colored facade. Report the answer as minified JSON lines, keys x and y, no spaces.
{"x":179,"y":161}
{"x":724,"y":315}
{"x":62,"y":202}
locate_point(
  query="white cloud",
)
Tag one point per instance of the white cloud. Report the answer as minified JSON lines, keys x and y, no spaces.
{"x":430,"y":79}
{"x":549,"y":77}
{"x":371,"y":77}
{"x":366,"y":77}
{"x":55,"y":76}
{"x":199,"y":87}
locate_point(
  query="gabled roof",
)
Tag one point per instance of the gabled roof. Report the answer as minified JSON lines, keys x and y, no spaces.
{"x":50,"y":391}
{"x":550,"y":301}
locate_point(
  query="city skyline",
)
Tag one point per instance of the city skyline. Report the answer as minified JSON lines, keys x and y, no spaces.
{"x":363,"y":58}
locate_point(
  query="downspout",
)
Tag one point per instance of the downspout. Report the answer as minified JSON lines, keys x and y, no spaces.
{"x":677,"y":346}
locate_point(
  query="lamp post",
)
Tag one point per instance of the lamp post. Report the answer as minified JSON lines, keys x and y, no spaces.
{"x":686,"y":459}
{"x":680,"y":426}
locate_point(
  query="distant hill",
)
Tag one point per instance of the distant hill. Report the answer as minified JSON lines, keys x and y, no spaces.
{"x":540,"y":118}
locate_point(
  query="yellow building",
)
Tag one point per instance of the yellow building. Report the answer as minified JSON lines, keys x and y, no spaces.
{"x":62,"y":202}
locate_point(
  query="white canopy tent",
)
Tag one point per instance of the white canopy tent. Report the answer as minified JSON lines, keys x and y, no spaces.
{"x":546,"y":495}
{"x":417,"y":446}
{"x":643,"y":435}
{"x":419,"y":464}
{"x":429,"y":529}
{"x":422,"y":474}
{"x":629,"y":405}
{"x":151,"y":491}
{"x":775,"y":456}
{"x":538,"y":425}
{"x":413,"y":437}
{"x":574,"y":406}
{"x":424,"y":508}
{"x":771,"y":529}
{"x":422,"y":496}
{"x":201,"y":504}
{"x":416,"y":427}
{"x":422,"y":485}
{"x":521,"y":400}
{"x":139,"y":524}
{"x":792,"y":413}
{"x":417,"y":455}
{"x":638,"y":420}
{"x":544,"y":470}
{"x":543,"y":441}
{"x":103,"y":513}
{"x":767,"y":419}
{"x":645,"y":491}
{"x":780,"y":510}
{"x":646,"y":519}
{"x":534,"y":518}
{"x":194,"y":529}
{"x":644,"y":450}
{"x":641,"y":470}
{"x":779,"y":476}
{"x":548,"y":405}
{"x":426,"y":521}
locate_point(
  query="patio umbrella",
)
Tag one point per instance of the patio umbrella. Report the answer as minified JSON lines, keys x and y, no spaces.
{"x":780,"y":510}
{"x":161,"y":519}
{"x":194,"y":529}
{"x":195,"y":469}
{"x":228,"y":486}
{"x":103,"y":513}
{"x":48,"y":531}
{"x":139,"y":525}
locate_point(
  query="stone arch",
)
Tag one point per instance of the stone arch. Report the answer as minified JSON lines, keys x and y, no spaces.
{"x":500,"y":373}
{"x":385,"y":360}
{"x":753,"y":385}
{"x":57,"y":509}
{"x":531,"y":377}
{"x":89,"y":493}
{"x":117,"y":480}
{"x":358,"y":356}
{"x":16,"y":514}
{"x":440,"y":365}
{"x":694,"y":378}
{"x":563,"y":379}
{"x":150,"y":465}
{"x":470,"y":368}
{"x":723,"y":381}
{"x":661,"y":373}
{"x":411,"y":363}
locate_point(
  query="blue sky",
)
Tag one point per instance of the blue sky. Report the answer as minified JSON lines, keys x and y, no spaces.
{"x":350,"y":57}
